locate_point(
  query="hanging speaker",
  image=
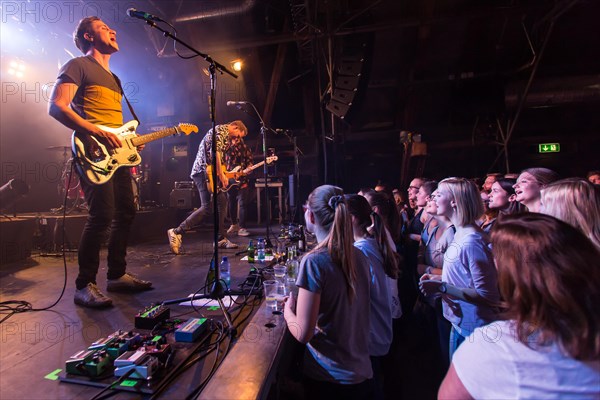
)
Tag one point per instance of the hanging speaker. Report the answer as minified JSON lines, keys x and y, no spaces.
{"x":338,"y":109}
{"x":343,"y":96}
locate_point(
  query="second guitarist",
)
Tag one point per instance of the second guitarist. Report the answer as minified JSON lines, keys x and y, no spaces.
{"x":225,"y":135}
{"x":238,"y":154}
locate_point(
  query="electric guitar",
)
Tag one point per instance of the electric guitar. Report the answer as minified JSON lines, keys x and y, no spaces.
{"x":97,"y":162}
{"x":234,"y":175}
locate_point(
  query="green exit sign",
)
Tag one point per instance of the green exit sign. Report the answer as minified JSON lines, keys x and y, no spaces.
{"x":549,"y":147}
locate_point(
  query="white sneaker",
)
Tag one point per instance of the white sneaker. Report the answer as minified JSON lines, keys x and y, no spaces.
{"x":175,"y":241}
{"x":226,"y":244}
{"x":233,"y":228}
{"x":243,"y":232}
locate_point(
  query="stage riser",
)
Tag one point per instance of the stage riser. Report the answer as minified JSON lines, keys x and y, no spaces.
{"x":18,"y":237}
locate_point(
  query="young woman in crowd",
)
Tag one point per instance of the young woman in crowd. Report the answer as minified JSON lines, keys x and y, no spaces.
{"x":407,"y":288}
{"x":487,"y":220}
{"x":503,"y":198}
{"x":331,"y":313}
{"x":429,"y":223}
{"x":431,"y":262}
{"x":576,"y":202}
{"x":370,"y":237}
{"x":548,"y":344}
{"x":529,"y":185}
{"x":468,"y":283}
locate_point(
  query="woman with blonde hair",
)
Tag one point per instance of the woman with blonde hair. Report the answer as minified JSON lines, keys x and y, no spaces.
{"x":529,"y":185}
{"x":548,"y":344}
{"x":576,"y":202}
{"x":331,"y":313}
{"x":468,"y":283}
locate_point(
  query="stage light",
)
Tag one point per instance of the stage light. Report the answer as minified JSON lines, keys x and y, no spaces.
{"x":16,"y":68}
{"x":236,"y":65}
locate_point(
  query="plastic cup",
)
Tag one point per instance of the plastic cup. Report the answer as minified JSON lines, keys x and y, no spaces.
{"x":274,"y":294}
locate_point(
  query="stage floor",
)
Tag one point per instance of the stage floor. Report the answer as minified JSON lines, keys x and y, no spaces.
{"x":33,"y":345}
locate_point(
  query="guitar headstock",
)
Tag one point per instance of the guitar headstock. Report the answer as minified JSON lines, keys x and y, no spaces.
{"x":186,"y":129}
{"x":271,"y":159}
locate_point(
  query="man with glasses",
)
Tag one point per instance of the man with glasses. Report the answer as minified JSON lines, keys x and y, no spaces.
{"x":225,"y":136}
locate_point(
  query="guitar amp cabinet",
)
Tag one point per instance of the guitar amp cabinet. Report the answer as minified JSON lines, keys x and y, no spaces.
{"x":184,"y":196}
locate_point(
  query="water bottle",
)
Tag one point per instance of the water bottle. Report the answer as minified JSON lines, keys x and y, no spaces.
{"x":260,"y":250}
{"x":251,"y":252}
{"x":225,"y":271}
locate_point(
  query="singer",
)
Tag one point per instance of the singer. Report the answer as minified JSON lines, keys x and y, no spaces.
{"x":226,"y":135}
{"x":86,"y":94}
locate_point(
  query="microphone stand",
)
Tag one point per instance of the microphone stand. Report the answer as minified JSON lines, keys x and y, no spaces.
{"x":263,"y":131}
{"x":217,"y":292}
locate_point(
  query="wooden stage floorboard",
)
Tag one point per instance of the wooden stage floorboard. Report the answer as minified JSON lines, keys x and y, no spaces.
{"x":34,"y":344}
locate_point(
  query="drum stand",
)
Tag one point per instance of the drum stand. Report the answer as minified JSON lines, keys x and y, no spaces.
{"x":67,"y":187}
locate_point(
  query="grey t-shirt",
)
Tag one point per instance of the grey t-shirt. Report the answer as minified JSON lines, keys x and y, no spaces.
{"x":381,"y":306}
{"x":339,"y":349}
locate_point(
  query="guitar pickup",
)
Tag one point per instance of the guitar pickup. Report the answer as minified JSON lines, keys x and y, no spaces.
{"x":132,"y":158}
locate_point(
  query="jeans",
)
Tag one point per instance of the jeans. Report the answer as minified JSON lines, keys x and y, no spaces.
{"x":238,"y":195}
{"x":206,"y":208}
{"x":455,"y":340}
{"x":111,"y":205}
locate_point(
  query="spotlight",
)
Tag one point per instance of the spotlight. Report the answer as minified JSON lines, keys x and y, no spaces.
{"x":236,"y":65}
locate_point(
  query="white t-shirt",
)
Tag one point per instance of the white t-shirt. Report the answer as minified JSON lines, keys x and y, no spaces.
{"x":492,"y":364}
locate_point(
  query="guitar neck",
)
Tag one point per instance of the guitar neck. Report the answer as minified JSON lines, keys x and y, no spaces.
{"x":252,"y":167}
{"x":150,"y":137}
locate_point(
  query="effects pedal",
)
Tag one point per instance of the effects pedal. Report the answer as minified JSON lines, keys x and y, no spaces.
{"x":117,"y":343}
{"x":158,"y":348}
{"x":190,"y":331}
{"x":143,"y":367}
{"x":151,"y":316}
{"x":89,"y":363}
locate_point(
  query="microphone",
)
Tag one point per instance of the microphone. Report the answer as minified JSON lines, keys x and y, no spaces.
{"x":133,"y":13}
{"x":236,"y":103}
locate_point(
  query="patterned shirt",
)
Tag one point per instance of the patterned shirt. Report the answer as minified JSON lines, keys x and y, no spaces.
{"x":204,"y":154}
{"x":238,"y":154}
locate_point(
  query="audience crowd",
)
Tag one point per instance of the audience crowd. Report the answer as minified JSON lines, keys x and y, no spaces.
{"x":501,"y":282}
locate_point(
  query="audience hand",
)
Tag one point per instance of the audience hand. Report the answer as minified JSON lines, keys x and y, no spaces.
{"x":430,"y":284}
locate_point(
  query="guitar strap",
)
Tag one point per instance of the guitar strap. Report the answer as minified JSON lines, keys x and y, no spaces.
{"x":127,"y":100}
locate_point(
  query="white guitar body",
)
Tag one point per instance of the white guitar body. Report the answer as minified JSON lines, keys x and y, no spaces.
{"x":97,"y":162}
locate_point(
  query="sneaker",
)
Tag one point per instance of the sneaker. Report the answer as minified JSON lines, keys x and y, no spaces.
{"x":126,"y":283}
{"x":233,"y":228}
{"x":226,"y":244}
{"x":243,"y":232}
{"x":91,"y":296}
{"x":175,"y":240}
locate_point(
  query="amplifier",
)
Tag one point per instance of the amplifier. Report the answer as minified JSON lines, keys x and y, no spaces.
{"x":183,"y":199}
{"x":185,"y":185}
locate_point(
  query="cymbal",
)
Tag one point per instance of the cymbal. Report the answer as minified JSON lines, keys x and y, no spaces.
{"x":57,"y":148}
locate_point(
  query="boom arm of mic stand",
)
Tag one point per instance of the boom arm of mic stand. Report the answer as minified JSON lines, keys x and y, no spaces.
{"x":220,"y":67}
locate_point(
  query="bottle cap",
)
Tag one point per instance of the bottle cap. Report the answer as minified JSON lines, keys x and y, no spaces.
{"x":225,"y":258}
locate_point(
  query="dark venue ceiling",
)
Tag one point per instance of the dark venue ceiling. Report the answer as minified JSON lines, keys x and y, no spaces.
{"x":476,"y":80}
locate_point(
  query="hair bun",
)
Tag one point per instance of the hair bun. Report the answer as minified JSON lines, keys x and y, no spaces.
{"x":335,"y":200}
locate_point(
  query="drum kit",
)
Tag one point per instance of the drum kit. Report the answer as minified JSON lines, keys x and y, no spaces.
{"x":70,"y":185}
